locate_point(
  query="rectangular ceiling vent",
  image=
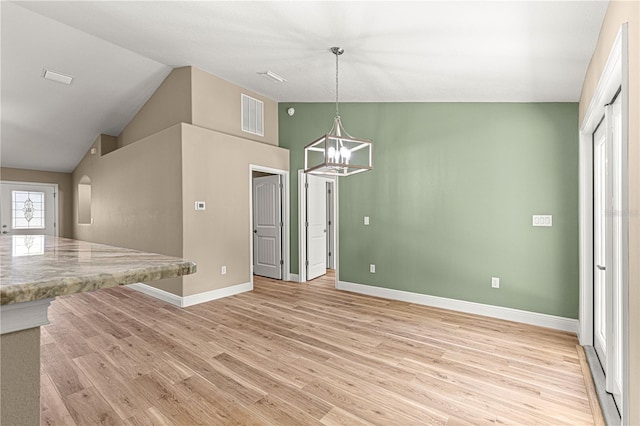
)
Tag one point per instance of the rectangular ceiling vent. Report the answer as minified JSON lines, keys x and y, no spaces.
{"x":252,"y":115}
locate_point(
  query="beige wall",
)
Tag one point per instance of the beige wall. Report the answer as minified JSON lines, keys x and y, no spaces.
{"x":65,"y":192}
{"x":216,"y":170}
{"x":185,"y":144}
{"x":191,"y":95}
{"x":216,"y":106}
{"x":136,"y":197}
{"x":169,"y":105}
{"x":619,"y":12}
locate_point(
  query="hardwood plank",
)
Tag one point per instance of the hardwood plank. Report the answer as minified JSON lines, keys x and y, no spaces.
{"x":289,"y":353}
{"x":339,"y":417}
{"x":314,"y":407}
{"x":88,"y":407}
{"x":219,"y":402}
{"x":119,"y":392}
{"x":149,"y":417}
{"x":52,"y":409}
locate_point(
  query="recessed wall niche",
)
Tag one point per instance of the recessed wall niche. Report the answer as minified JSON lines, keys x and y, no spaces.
{"x":84,"y":200}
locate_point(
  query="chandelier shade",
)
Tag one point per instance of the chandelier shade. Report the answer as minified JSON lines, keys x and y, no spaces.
{"x":337,"y":153}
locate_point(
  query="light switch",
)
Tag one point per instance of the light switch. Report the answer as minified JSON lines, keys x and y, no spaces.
{"x":366,"y":220}
{"x":542,"y":220}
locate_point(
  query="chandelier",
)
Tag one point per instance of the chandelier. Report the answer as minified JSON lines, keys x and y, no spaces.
{"x":338,"y":153}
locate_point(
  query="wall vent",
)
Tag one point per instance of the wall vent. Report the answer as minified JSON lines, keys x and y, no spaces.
{"x":252,"y":115}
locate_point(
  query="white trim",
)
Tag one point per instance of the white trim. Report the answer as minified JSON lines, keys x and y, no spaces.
{"x":302,"y":232}
{"x":509,"y":314}
{"x":294,"y":278}
{"x":22,"y":316}
{"x":610,"y":80}
{"x":286,"y":218}
{"x":614,"y":75}
{"x":194,"y":299}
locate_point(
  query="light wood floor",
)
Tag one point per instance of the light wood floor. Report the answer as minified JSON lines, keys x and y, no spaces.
{"x":290,"y":353}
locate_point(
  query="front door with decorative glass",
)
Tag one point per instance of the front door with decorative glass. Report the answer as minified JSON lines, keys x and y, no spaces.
{"x":28,"y":208}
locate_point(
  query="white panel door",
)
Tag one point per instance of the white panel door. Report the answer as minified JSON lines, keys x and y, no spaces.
{"x":316,"y":226}
{"x":267,"y":227}
{"x":608,"y":248}
{"x":28,"y":209}
{"x":601,"y":228}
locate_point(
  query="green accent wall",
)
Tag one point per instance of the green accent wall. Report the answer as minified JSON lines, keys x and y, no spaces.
{"x":451,"y":199}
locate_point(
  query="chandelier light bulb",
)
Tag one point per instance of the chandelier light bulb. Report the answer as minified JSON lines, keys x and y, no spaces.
{"x":345,"y":153}
{"x":331,"y":153}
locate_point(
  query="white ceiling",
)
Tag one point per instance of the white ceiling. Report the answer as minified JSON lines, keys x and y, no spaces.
{"x":119,"y":52}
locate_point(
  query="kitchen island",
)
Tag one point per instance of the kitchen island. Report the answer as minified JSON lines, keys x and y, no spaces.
{"x":34,"y":269}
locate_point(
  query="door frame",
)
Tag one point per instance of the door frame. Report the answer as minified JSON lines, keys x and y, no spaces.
{"x":56,"y":197}
{"x":284,"y":176}
{"x":331,"y":217}
{"x":614,"y":76}
{"x":302,"y":232}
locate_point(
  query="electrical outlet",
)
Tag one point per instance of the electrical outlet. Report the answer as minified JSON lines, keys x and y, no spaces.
{"x":495,"y":282}
{"x":223,"y":270}
{"x":372,"y":268}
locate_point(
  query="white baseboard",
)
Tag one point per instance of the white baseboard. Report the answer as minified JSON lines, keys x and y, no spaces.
{"x":294,"y":278}
{"x":510,"y":314}
{"x":194,"y":299}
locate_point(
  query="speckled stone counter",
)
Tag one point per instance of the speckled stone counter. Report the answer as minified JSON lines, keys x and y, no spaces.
{"x":40,"y":267}
{"x":34,"y":270}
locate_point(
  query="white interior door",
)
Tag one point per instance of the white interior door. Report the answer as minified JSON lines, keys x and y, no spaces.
{"x":600,"y":228}
{"x":28,"y":209}
{"x":608,"y":249}
{"x":267,"y":226}
{"x":316,"y":226}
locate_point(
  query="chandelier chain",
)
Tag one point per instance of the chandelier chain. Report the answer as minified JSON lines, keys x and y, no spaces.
{"x":337,"y":111}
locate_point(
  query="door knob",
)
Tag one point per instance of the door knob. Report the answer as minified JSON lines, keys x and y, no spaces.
{"x":602,"y":268}
{"x":255,"y":231}
{"x":4,"y":232}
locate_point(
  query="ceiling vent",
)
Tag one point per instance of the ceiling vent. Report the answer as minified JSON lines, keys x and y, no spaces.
{"x":57,"y":77}
{"x":252,"y":115}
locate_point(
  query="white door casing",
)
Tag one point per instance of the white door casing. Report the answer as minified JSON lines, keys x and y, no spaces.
{"x":613,"y":115}
{"x":330,"y":227}
{"x":28,"y":208}
{"x":316,"y":224}
{"x":267,"y":224}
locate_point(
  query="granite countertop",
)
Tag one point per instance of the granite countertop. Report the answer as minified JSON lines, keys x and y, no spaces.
{"x":39,"y":267}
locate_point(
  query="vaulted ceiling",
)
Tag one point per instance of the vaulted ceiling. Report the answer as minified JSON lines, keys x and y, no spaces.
{"x":119,"y":52}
